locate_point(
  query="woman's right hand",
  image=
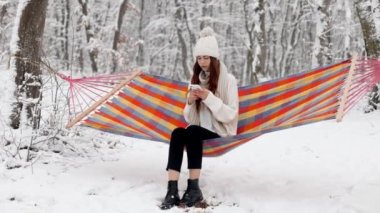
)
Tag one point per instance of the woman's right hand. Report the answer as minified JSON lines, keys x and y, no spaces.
{"x":192,"y":97}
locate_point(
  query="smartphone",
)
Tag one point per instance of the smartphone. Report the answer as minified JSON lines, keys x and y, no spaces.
{"x":195,"y":86}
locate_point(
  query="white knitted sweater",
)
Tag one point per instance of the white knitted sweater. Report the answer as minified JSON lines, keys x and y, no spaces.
{"x":219,"y":111}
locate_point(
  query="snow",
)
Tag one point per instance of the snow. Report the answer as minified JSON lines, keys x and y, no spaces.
{"x":15,"y":38}
{"x":324,"y":167}
{"x":6,"y":95}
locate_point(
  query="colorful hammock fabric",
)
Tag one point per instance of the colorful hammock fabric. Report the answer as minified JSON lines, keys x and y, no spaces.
{"x":150,"y":107}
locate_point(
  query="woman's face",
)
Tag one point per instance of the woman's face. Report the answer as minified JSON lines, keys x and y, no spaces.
{"x":204,"y":62}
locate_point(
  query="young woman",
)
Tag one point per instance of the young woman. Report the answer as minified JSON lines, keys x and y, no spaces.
{"x":211,"y":111}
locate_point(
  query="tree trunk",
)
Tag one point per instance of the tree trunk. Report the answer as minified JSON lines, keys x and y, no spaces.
{"x":26,"y":61}
{"x":289,"y":36}
{"x":93,"y":52}
{"x":140,"y":57}
{"x":324,"y":55}
{"x":262,"y":40}
{"x":366,"y":16}
{"x":249,"y":27}
{"x":116,"y":38}
{"x":182,"y":42}
{"x":3,"y":11}
{"x":65,"y":21}
{"x":203,"y":14}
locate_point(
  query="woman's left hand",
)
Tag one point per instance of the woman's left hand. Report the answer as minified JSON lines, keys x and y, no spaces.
{"x":201,"y":93}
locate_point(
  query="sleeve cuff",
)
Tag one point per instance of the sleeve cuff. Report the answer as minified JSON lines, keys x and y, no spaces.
{"x":211,"y":100}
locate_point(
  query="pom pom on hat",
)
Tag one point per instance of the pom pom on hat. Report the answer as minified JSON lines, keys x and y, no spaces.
{"x":207,"y":44}
{"x":207,"y":31}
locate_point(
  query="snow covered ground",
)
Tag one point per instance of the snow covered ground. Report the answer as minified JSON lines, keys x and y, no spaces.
{"x":326,"y":167}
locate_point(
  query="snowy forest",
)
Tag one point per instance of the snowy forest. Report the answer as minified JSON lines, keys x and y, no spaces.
{"x":259,"y":40}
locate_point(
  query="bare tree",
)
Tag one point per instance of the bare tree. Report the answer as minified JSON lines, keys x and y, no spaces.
{"x":93,"y":52}
{"x":324,"y":54}
{"x":179,"y":25}
{"x":122,"y":8}
{"x":3,"y":11}
{"x":261,"y":39}
{"x":26,"y":62}
{"x":65,"y":23}
{"x":251,"y":76}
{"x":290,"y":35}
{"x":365,"y":13}
{"x":140,"y":52}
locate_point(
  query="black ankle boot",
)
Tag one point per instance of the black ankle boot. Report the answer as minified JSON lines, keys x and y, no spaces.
{"x":172,"y":197}
{"x":192,"y":195}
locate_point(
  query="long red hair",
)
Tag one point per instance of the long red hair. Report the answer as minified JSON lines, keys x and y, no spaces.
{"x":214,"y":76}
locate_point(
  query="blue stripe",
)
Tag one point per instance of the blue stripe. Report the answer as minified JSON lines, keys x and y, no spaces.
{"x":295,"y":87}
{"x":266,"y":113}
{"x":167,"y":110}
{"x":166,"y":92}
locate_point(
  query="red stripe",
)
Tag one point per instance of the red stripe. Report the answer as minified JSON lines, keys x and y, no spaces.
{"x":155,"y":95}
{"x":304,"y":110}
{"x":284,"y":81}
{"x":219,"y":151}
{"x":287,"y":94}
{"x":154,"y":111}
{"x":92,"y":123}
{"x":330,"y":112}
{"x":282,"y":111}
{"x":172,"y":85}
{"x":120,"y":122}
{"x":136,"y":118}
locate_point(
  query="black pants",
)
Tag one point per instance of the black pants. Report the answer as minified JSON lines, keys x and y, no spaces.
{"x":192,"y":138}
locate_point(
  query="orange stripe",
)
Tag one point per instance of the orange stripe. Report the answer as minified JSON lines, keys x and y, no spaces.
{"x":286,"y":95}
{"x":150,"y":125}
{"x":280,"y":112}
{"x":154,"y":111}
{"x":330,"y":112}
{"x":161,"y":97}
{"x":304,"y":110}
{"x":120,"y":122}
{"x":218,"y":151}
{"x":96,"y":124}
{"x":167,"y":84}
{"x":285,"y":81}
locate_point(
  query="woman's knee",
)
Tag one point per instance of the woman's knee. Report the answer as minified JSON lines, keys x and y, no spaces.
{"x":193,"y":129}
{"x":177,"y":132}
{"x":178,"y":135}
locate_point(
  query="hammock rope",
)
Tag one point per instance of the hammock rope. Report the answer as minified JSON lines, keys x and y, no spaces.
{"x":141,"y":105}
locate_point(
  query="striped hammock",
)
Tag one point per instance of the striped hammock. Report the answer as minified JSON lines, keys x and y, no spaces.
{"x":149,"y":107}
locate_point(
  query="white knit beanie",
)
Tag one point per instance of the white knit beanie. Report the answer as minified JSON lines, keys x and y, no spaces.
{"x":207,"y":44}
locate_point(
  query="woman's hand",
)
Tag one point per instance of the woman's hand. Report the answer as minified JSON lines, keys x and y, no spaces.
{"x":192,"y":97}
{"x":197,"y":94}
{"x":201,"y":93}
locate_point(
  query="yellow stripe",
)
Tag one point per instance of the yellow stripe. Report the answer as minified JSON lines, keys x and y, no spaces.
{"x":163,"y":88}
{"x":275,"y":104}
{"x":269,"y":123}
{"x":311,"y":111}
{"x":151,"y":116}
{"x":137,"y":123}
{"x":156,"y":101}
{"x":302,"y":81}
{"x":220,"y":147}
{"x":319,"y":118}
{"x":116,"y":124}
